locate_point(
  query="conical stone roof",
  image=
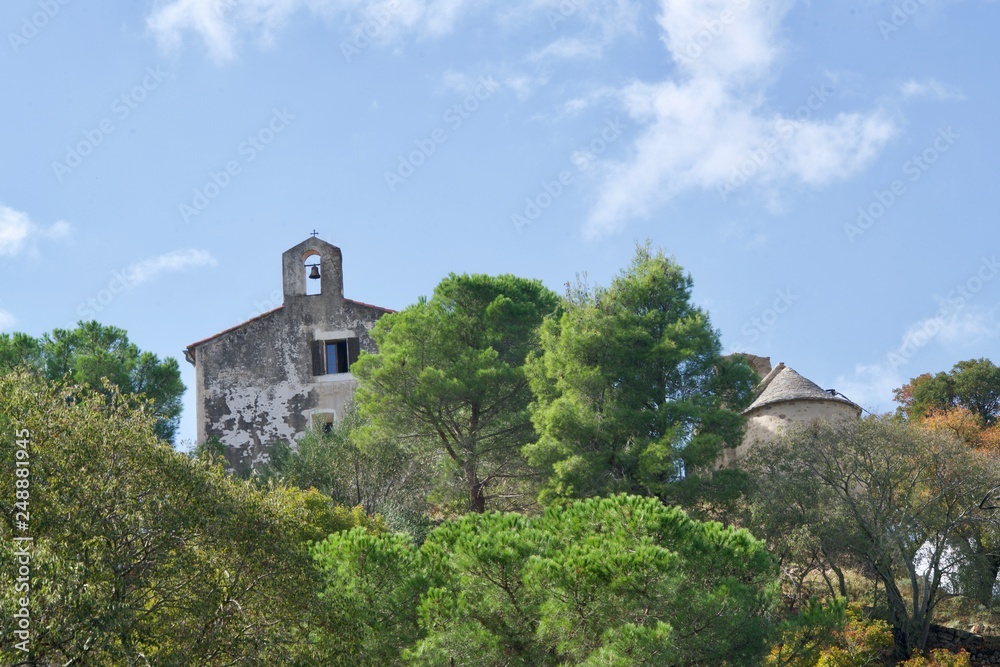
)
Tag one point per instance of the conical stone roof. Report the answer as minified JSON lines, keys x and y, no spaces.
{"x":783,"y":384}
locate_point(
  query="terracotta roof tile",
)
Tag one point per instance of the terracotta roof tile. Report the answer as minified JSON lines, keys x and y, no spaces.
{"x":369,"y":305}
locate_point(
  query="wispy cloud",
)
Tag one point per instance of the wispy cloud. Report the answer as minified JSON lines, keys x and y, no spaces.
{"x":583,"y":29}
{"x":221,"y":24}
{"x":520,"y":84}
{"x":956,"y":330}
{"x":567,"y":48}
{"x":871,"y":386}
{"x":959,"y":330}
{"x":7,"y":321}
{"x":699,"y":126}
{"x":18,"y":233}
{"x":178,"y":260}
{"x":931,"y":88}
{"x":749,"y":237}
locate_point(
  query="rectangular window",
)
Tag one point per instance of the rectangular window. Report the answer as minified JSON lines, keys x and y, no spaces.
{"x":336,"y":357}
{"x":332,"y":357}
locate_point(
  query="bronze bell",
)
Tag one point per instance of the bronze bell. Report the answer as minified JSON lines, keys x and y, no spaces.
{"x":314,"y":272}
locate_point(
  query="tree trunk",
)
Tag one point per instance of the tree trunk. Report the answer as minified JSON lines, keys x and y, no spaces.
{"x":841,"y":581}
{"x":904,"y":627}
{"x":477,"y":497}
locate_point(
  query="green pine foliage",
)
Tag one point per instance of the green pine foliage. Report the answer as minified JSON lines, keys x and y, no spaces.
{"x":449,"y":379}
{"x":631,"y":391}
{"x":621,"y":580}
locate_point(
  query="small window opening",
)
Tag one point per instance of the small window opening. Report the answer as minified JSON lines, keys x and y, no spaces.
{"x":323,"y":421}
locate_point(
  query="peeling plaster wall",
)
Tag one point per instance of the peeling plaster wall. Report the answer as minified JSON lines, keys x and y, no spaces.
{"x":255,"y":381}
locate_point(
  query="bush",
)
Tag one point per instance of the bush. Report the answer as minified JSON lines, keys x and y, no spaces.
{"x":938,"y":658}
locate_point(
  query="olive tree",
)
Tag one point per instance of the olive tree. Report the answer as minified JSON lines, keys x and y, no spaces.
{"x":891,"y":497}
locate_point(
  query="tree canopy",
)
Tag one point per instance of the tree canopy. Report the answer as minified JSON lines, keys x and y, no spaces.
{"x":379,"y":475}
{"x":449,"y":375}
{"x":891,"y":498}
{"x":973,"y":385}
{"x":92,"y":352}
{"x":141,"y":554}
{"x":631,"y":391}
{"x":610,"y":581}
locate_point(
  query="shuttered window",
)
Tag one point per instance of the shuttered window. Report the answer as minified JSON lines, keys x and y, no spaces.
{"x":332,"y":357}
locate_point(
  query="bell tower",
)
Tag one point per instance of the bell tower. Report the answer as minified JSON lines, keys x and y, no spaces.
{"x":313,"y":260}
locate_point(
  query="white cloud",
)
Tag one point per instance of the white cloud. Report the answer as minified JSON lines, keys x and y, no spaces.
{"x":567,"y":48}
{"x":178,"y":260}
{"x":18,"y":233}
{"x":593,"y":25}
{"x":871,"y":386}
{"x":58,"y":231}
{"x":956,"y":328}
{"x":708,"y":128}
{"x":524,"y":85}
{"x":7,"y":321}
{"x":587,"y":100}
{"x":596,"y":21}
{"x":931,"y":88}
{"x":15,"y":228}
{"x":206,"y":17}
{"x":220,"y":23}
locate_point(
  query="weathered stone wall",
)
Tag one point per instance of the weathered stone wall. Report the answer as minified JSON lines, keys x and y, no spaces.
{"x":255,"y":382}
{"x":764,"y":424}
{"x":982,"y":650}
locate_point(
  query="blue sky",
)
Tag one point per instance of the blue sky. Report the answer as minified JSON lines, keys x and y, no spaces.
{"x":823,"y":170}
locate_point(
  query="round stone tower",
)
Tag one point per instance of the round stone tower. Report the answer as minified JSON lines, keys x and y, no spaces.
{"x":784,"y":398}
